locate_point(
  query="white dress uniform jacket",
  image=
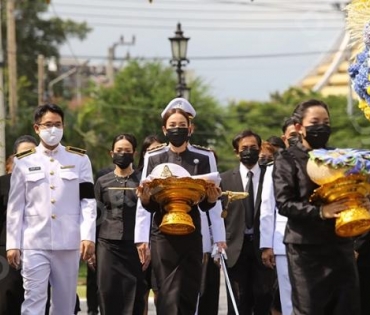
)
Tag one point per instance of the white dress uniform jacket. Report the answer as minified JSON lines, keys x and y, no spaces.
{"x":217,"y":222}
{"x":44,"y":210}
{"x":272,"y":224}
{"x":272,"y":229}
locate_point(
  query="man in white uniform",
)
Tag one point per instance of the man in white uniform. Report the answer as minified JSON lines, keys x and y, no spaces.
{"x":51,"y":216}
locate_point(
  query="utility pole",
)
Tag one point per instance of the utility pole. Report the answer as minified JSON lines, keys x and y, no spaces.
{"x":64,"y":75}
{"x":40,"y":79}
{"x":2,"y":107}
{"x":111,"y":57}
{"x":12,"y":60}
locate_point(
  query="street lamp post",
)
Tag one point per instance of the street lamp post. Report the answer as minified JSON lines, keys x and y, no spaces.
{"x":179,"y":45}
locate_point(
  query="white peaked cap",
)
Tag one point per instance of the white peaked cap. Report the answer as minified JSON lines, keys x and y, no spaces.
{"x":181,"y":103}
{"x":169,"y":169}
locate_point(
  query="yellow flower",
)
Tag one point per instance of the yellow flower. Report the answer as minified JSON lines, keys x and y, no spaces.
{"x":362,"y":104}
{"x":367,"y":113}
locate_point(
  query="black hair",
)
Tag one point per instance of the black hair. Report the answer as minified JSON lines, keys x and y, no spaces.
{"x":276,"y":142}
{"x":41,"y":110}
{"x":300,"y":111}
{"x":173,"y":111}
{"x":127,"y":136}
{"x":146,"y":144}
{"x":244,"y":134}
{"x":289,"y":122}
{"x":22,"y":139}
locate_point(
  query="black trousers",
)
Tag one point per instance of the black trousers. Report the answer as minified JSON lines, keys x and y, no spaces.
{"x":324,"y":279}
{"x":208,"y":302}
{"x":252,"y":283}
{"x":11,"y":287}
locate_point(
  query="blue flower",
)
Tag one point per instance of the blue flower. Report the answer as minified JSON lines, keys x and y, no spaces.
{"x":356,"y":160}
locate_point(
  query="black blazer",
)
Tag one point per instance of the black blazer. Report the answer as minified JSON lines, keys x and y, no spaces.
{"x":235,"y":219}
{"x":293,"y":188}
{"x":4,"y":194}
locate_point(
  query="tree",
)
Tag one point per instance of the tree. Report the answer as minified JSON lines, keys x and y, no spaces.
{"x":133,"y":105}
{"x":266,"y":119}
{"x":35,"y":35}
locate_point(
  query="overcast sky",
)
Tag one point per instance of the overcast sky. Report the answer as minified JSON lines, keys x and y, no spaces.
{"x":241,"y":49}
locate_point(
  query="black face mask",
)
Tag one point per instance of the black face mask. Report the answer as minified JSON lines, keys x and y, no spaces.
{"x":264,"y":161}
{"x":249,"y":156}
{"x":317,"y":135}
{"x":293,"y":141}
{"x":123,"y":160}
{"x":177,"y":136}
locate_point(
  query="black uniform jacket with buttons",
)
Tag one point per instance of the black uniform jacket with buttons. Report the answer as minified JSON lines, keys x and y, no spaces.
{"x":293,"y":188}
{"x":116,"y":207}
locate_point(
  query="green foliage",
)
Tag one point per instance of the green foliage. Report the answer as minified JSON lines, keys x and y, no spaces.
{"x":266,"y":119}
{"x":34,"y":35}
{"x":133,"y":105}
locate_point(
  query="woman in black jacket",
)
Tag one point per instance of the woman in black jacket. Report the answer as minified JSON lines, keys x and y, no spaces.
{"x":120,"y":278}
{"x":177,"y":259}
{"x":322,"y":266}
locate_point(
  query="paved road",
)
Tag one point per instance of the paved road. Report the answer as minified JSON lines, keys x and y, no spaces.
{"x":222,"y":304}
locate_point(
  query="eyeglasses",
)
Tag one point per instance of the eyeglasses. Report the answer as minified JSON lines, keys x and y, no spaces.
{"x":58,"y":125}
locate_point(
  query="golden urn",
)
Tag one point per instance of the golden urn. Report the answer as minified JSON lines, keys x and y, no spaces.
{"x":343,"y":180}
{"x":176,"y":192}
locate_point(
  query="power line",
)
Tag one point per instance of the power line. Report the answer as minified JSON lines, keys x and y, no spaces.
{"x":313,"y":28}
{"x":221,"y":10}
{"x":65,"y":37}
{"x":209,"y":58}
{"x":273,"y":5}
{"x":201,"y":19}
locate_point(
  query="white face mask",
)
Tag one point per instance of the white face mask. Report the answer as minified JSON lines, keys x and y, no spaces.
{"x":51,"y":136}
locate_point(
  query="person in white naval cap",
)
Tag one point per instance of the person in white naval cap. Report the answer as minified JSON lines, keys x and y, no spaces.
{"x":177,"y":128}
{"x":212,"y":224}
{"x":51,"y":216}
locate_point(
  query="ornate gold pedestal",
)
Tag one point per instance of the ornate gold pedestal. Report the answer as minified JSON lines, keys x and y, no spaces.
{"x":356,"y":219}
{"x":177,"y":196}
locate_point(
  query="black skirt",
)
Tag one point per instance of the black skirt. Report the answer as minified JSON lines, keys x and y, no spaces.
{"x":324,"y":279}
{"x":177,"y":264}
{"x":120,"y":278}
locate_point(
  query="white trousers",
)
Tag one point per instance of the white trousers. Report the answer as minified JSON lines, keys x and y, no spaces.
{"x":60,"y":268}
{"x":285,"y":288}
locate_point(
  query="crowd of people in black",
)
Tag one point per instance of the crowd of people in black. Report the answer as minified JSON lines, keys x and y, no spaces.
{"x":282,"y":253}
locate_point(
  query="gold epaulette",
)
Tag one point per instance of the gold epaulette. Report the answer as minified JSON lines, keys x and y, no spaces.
{"x":22,"y":154}
{"x":201,"y":148}
{"x":158,"y":147}
{"x":75,"y":150}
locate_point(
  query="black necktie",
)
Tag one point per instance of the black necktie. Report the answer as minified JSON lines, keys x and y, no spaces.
{"x":249,"y":205}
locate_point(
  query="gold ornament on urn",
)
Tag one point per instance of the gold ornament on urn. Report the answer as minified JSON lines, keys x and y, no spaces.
{"x":177,"y":192}
{"x":343,"y":174}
